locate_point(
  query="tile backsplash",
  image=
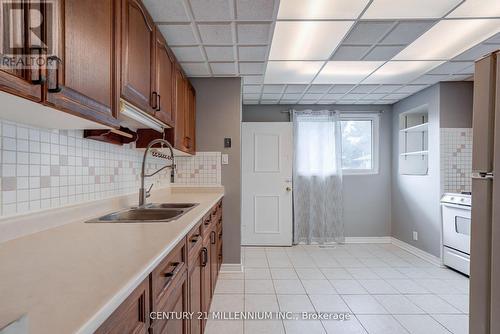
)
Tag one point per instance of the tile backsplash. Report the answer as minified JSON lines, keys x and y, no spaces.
{"x":43,"y":169}
{"x":456,"y":159}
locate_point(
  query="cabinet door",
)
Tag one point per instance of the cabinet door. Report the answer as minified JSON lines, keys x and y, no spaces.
{"x":214,"y":268}
{"x":24,"y":81}
{"x":137,"y":70}
{"x":132,"y":316}
{"x":80,"y":73}
{"x":195,"y":292}
{"x":180,"y":109}
{"x":190,"y":119}
{"x":164,"y":81}
{"x":206,"y":273}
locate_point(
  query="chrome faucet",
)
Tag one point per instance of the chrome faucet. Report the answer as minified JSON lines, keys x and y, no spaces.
{"x":143,"y":193}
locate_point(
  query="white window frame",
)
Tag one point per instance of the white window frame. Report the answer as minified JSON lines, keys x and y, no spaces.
{"x":375,"y":119}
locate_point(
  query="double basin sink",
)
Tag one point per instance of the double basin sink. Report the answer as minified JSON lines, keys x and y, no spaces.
{"x":149,"y":213}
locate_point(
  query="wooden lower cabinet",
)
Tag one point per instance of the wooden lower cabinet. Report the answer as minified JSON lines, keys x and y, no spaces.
{"x":184,"y":281}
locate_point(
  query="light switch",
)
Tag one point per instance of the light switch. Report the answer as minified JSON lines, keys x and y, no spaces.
{"x":225,"y":159}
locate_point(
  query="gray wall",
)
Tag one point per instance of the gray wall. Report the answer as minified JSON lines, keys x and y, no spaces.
{"x":456,"y":104}
{"x":218,"y":115}
{"x":367,"y":198}
{"x":415,"y":199}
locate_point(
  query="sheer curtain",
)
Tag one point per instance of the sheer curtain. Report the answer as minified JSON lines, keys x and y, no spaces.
{"x":317,"y":178}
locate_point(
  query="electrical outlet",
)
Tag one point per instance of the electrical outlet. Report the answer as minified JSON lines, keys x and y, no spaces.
{"x":225,"y":159}
{"x":415,"y":235}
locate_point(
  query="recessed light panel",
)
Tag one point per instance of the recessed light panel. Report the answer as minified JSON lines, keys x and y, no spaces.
{"x":320,"y":9}
{"x":291,"y":72}
{"x":449,"y":38}
{"x":400,"y":72}
{"x":346,"y":72}
{"x":409,"y":9}
{"x":477,"y":8}
{"x":307,"y":40}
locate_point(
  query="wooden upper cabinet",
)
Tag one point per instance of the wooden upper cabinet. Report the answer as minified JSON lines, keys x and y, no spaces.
{"x":80,"y":72}
{"x":164,"y":80}
{"x":138,"y":57}
{"x":190,"y":120}
{"x":24,"y":81}
{"x":180,"y":108}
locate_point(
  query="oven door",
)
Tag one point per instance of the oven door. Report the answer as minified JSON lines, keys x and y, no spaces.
{"x":456,"y":227}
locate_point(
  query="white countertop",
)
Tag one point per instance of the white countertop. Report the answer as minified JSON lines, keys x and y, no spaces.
{"x":70,"y":278}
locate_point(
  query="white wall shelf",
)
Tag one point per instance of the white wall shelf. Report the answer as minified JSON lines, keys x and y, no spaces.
{"x":417,"y":128}
{"x":415,"y":153}
{"x":414,"y":142}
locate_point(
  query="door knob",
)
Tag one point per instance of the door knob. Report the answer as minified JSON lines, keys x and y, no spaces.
{"x":288,"y":189}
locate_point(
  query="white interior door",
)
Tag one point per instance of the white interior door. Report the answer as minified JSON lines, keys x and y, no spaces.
{"x":267,"y":150}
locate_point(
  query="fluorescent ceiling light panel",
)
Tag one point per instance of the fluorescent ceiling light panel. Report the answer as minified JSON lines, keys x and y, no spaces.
{"x":320,"y":9}
{"x":477,"y":8}
{"x":400,"y":72}
{"x":291,"y":72}
{"x":409,"y":9}
{"x":307,"y":40}
{"x":346,"y":72}
{"x":449,"y":38}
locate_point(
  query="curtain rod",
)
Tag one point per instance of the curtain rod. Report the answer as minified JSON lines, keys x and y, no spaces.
{"x":289,"y":111}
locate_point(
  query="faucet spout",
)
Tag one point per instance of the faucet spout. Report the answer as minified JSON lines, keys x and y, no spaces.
{"x":142,"y":191}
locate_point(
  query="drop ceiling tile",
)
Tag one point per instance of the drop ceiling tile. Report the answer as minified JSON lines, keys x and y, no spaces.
{"x":450,"y":67}
{"x":406,"y":32}
{"x":250,"y":101}
{"x":319,"y":89}
{"x":477,"y":52}
{"x":388,"y":102}
{"x":178,"y":34}
{"x":303,"y":101}
{"x":188,"y":53}
{"x":477,"y":8}
{"x":273,"y":96}
{"x":341,"y":88}
{"x":167,"y":11}
{"x":307,"y":40}
{"x":320,"y":9}
{"x":288,"y":101}
{"x":409,"y":9}
{"x":400,"y":72}
{"x":252,"y":89}
{"x":223,"y":68}
{"x":295,"y":88}
{"x":494,"y":40}
{"x":252,"y":53}
{"x":310,"y":96}
{"x":350,"y":52}
{"x":373,"y":96}
{"x":346,"y":102}
{"x":253,"y":33}
{"x":346,"y":72}
{"x":327,"y":101}
{"x":273,"y":88}
{"x":395,"y":96}
{"x":364,"y":89}
{"x":428,"y":79}
{"x":351,"y":96}
{"x":251,"y":96}
{"x":251,"y":68}
{"x":367,"y":32}
{"x":219,"y":33}
{"x":333,"y":96}
{"x":274,"y":101}
{"x":253,"y":79}
{"x":254,"y":9}
{"x":387,"y":89}
{"x":195,"y":69}
{"x":460,"y":77}
{"x":468,"y":70}
{"x":219,"y":53}
{"x":384,"y":52}
{"x":411,"y":89}
{"x":212,"y":10}
{"x":291,"y":72}
{"x":287,"y":96}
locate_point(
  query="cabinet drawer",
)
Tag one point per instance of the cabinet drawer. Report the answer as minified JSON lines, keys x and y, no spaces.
{"x":193,"y":239}
{"x":166,"y":275}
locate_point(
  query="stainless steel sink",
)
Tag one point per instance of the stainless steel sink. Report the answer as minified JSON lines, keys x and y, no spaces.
{"x":151,"y":213}
{"x":171,"y":205}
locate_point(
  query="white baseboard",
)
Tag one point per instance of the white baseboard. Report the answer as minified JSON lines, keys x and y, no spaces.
{"x":231,"y":267}
{"x":417,"y":252}
{"x":368,"y":240}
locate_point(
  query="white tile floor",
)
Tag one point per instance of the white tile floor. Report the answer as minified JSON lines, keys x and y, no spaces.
{"x":384,"y":288}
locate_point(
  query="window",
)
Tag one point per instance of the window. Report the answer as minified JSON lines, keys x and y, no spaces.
{"x":360,"y":143}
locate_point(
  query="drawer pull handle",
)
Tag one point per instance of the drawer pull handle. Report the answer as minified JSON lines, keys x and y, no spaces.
{"x":212,"y":237}
{"x":207,"y":221}
{"x":56,"y":60}
{"x":171,"y":274}
{"x":194,"y":238}
{"x":204,"y":259}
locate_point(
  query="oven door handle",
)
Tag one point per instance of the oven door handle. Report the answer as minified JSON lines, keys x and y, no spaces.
{"x":456,"y":206}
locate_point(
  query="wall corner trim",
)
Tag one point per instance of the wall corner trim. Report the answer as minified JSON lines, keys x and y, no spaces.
{"x":368,"y":240}
{"x":417,"y":252}
{"x":231,"y":268}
